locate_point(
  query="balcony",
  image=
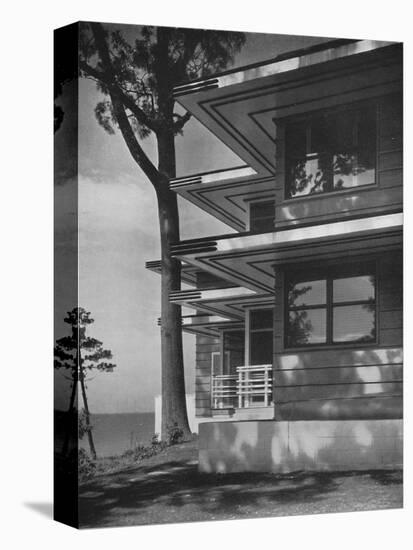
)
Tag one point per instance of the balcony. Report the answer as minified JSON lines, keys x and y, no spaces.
{"x":250,"y":387}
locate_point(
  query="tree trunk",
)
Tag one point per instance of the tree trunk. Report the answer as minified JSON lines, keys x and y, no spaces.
{"x":69,"y":420}
{"x":174,"y":413}
{"x":173,"y":383}
{"x":88,"y":425}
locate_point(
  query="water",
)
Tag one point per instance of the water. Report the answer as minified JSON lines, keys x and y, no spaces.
{"x":115,"y":433}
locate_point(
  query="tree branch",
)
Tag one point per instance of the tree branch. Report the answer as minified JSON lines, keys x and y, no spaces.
{"x":128,"y":101}
{"x":180,"y":123}
{"x":138,"y":154}
{"x":156,"y":178}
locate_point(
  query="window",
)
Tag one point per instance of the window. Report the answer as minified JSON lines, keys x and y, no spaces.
{"x":334,"y":309}
{"x":331,"y":151}
{"x":260,"y":336}
{"x":262,"y":215}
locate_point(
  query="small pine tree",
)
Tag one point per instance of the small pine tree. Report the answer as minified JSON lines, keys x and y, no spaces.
{"x":80,"y":355}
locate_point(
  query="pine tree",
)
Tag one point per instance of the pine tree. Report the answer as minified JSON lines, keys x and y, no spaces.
{"x":80,"y":355}
{"x":137,"y":75}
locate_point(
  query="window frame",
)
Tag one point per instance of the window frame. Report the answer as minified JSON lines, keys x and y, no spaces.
{"x":329,"y":111}
{"x":331,"y":273}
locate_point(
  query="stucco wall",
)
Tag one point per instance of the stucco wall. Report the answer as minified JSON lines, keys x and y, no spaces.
{"x":280,"y":447}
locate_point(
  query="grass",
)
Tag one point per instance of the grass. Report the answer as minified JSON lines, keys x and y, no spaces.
{"x":168,"y":488}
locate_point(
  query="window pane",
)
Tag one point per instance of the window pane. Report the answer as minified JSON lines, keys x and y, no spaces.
{"x":308,"y":175}
{"x":354,"y":323}
{"x":261,"y":318}
{"x":262,"y":209}
{"x":262,"y":216}
{"x":296,"y":139}
{"x":342,"y":131}
{"x":340,"y":152}
{"x":320,"y":135}
{"x":263,"y":224}
{"x":353,"y":289}
{"x":261,"y":348}
{"x":307,"y":294}
{"x":307,"y":326}
{"x":366,"y":129}
{"x":354,"y":149}
{"x":233,"y":351}
{"x":352,"y":170}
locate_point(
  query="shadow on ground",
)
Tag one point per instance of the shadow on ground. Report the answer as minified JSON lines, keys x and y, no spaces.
{"x":175,"y":491}
{"x":43,"y":508}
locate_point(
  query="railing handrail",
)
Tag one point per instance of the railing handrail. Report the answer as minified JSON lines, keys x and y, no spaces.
{"x":254,"y":367}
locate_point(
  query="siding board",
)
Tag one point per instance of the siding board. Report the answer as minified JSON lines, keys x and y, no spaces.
{"x":379,"y":407}
{"x":334,"y":391}
{"x":353,"y":374}
{"x":390,"y":160}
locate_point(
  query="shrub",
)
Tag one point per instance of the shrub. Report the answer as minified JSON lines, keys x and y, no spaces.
{"x":140,"y":452}
{"x":87,"y":466}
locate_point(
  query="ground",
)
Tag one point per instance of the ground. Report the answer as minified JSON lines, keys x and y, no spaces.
{"x":168,"y":488}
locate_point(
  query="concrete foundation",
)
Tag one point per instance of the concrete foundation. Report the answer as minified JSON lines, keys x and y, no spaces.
{"x":282,"y":447}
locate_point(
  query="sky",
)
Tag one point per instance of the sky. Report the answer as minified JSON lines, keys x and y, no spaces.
{"x":118,"y":232}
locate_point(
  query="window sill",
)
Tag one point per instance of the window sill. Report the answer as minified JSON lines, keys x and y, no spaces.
{"x":331,"y":347}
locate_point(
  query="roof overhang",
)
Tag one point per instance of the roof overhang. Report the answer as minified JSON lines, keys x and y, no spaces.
{"x":240,"y":106}
{"x":188,"y":272}
{"x":228,"y":302}
{"x":251,"y":260}
{"x":224,"y":194}
{"x":208,"y":325}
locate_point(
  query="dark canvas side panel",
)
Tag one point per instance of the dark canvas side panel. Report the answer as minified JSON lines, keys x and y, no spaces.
{"x":65,"y":266}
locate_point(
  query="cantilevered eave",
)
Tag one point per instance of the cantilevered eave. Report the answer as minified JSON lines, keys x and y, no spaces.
{"x":249,"y":260}
{"x":278,"y":66}
{"x":281,"y":237}
{"x":227,"y":302}
{"x":188,"y":272}
{"x":240,"y":107}
{"x":225,"y":193}
{"x":207,"y":325}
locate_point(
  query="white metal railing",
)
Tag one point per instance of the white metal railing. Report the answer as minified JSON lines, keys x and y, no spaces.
{"x":254,"y":386}
{"x":250,"y":387}
{"x":224,"y":391}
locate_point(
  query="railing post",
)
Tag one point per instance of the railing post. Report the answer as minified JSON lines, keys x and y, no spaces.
{"x":247,"y":388}
{"x":239,"y":388}
{"x":213,"y":397}
{"x":266,"y":386}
